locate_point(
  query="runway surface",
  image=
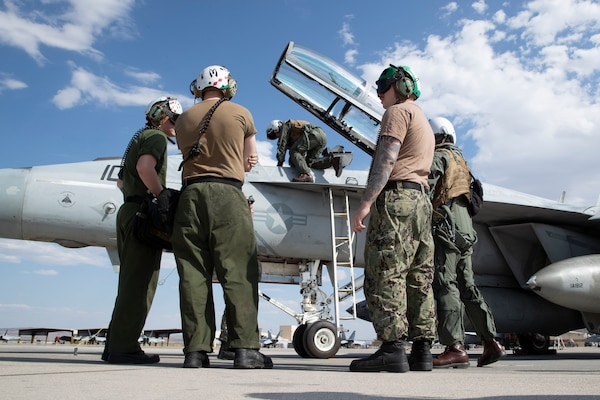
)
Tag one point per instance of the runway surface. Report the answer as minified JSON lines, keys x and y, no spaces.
{"x":48,"y":371}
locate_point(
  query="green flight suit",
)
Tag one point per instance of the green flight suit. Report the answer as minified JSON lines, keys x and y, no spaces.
{"x":305,"y":142}
{"x":454,"y":283}
{"x":139,"y":263}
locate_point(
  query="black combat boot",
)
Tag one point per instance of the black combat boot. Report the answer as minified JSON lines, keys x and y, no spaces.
{"x":420,"y":358}
{"x":390,"y":357}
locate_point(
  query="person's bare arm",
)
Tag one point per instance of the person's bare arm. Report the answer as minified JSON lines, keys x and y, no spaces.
{"x":250,"y":156}
{"x":145,"y":168}
{"x":383,"y":162}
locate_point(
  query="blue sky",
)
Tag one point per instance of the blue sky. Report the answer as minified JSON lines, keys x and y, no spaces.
{"x":520,"y":81}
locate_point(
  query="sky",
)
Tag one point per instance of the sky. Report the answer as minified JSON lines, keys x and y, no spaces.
{"x":519,"y":80}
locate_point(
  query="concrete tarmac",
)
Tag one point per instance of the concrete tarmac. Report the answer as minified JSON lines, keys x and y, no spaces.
{"x":48,"y":371}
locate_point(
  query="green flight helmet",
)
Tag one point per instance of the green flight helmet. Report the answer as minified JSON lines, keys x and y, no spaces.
{"x":404,"y":80}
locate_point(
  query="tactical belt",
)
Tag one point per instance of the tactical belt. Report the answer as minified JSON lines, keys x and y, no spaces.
{"x":391,"y":185}
{"x":228,"y":181}
{"x":134,"y":199}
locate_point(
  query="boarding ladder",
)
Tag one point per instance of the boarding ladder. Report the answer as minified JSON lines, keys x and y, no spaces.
{"x":342,"y":239}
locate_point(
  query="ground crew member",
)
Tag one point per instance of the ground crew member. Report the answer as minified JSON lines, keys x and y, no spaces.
{"x":454,"y":237}
{"x":143,"y":173}
{"x":399,"y":248}
{"x":306,"y":143}
{"x":213,"y":231}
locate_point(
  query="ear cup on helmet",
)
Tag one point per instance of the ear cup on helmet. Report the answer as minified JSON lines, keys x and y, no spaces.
{"x":232,"y":89}
{"x":404,"y":85}
{"x":194,"y":89}
{"x":156,"y":113}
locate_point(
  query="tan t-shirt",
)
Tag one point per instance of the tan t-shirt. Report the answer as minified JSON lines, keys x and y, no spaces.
{"x":407,"y":123}
{"x":222,"y":145}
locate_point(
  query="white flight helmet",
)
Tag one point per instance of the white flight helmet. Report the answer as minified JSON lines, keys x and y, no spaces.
{"x":441,"y":126}
{"x":161,"y":107}
{"x":214,"y":76}
{"x":273,"y":128}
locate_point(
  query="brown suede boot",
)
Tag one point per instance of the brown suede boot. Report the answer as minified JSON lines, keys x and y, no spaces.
{"x":303,"y":178}
{"x":492,"y":352}
{"x":454,"y":356}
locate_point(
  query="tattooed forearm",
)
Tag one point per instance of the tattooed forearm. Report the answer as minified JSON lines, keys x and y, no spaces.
{"x":384,"y":159}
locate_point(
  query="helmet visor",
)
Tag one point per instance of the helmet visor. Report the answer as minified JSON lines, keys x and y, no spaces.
{"x":386,"y":79}
{"x":383,"y":85}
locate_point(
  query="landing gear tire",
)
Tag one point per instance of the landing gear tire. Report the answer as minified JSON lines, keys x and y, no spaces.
{"x":534,"y":343}
{"x":298,"y":341}
{"x":321,"y":340}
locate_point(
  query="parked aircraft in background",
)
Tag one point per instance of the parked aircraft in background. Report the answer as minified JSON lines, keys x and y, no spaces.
{"x":302,"y":227}
{"x":151,"y":340}
{"x":100,"y":339}
{"x":349,"y":341}
{"x":82,"y":339}
{"x":7,"y":338}
{"x":592,"y":339}
{"x":269,"y":341}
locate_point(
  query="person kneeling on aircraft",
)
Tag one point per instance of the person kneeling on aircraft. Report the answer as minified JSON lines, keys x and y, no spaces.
{"x":306,"y":143}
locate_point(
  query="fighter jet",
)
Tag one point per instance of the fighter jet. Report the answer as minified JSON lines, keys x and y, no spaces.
{"x":347,"y":342}
{"x":269,"y":340}
{"x":7,"y":338}
{"x":303,"y":229}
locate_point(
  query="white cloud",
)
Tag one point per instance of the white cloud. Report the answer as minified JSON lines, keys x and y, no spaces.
{"x":15,"y":306}
{"x":543,"y":21}
{"x":86,"y":87}
{"x":346,"y":34}
{"x":449,"y":9}
{"x":74,"y":30}
{"x":9,"y":83}
{"x":265,"y":152}
{"x":50,"y":254}
{"x":479,"y":6}
{"x":45,"y":272}
{"x":350,"y":56}
{"x":348,"y":40}
{"x":142,"y":76}
{"x":531,"y":109}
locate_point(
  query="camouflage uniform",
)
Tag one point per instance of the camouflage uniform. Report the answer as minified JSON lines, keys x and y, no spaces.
{"x":454,"y":236}
{"x":399,"y":266}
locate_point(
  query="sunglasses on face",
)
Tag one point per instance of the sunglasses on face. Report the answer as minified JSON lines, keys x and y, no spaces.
{"x":383,"y":85}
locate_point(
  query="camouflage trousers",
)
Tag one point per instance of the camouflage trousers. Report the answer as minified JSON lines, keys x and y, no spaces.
{"x":399,"y":266}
